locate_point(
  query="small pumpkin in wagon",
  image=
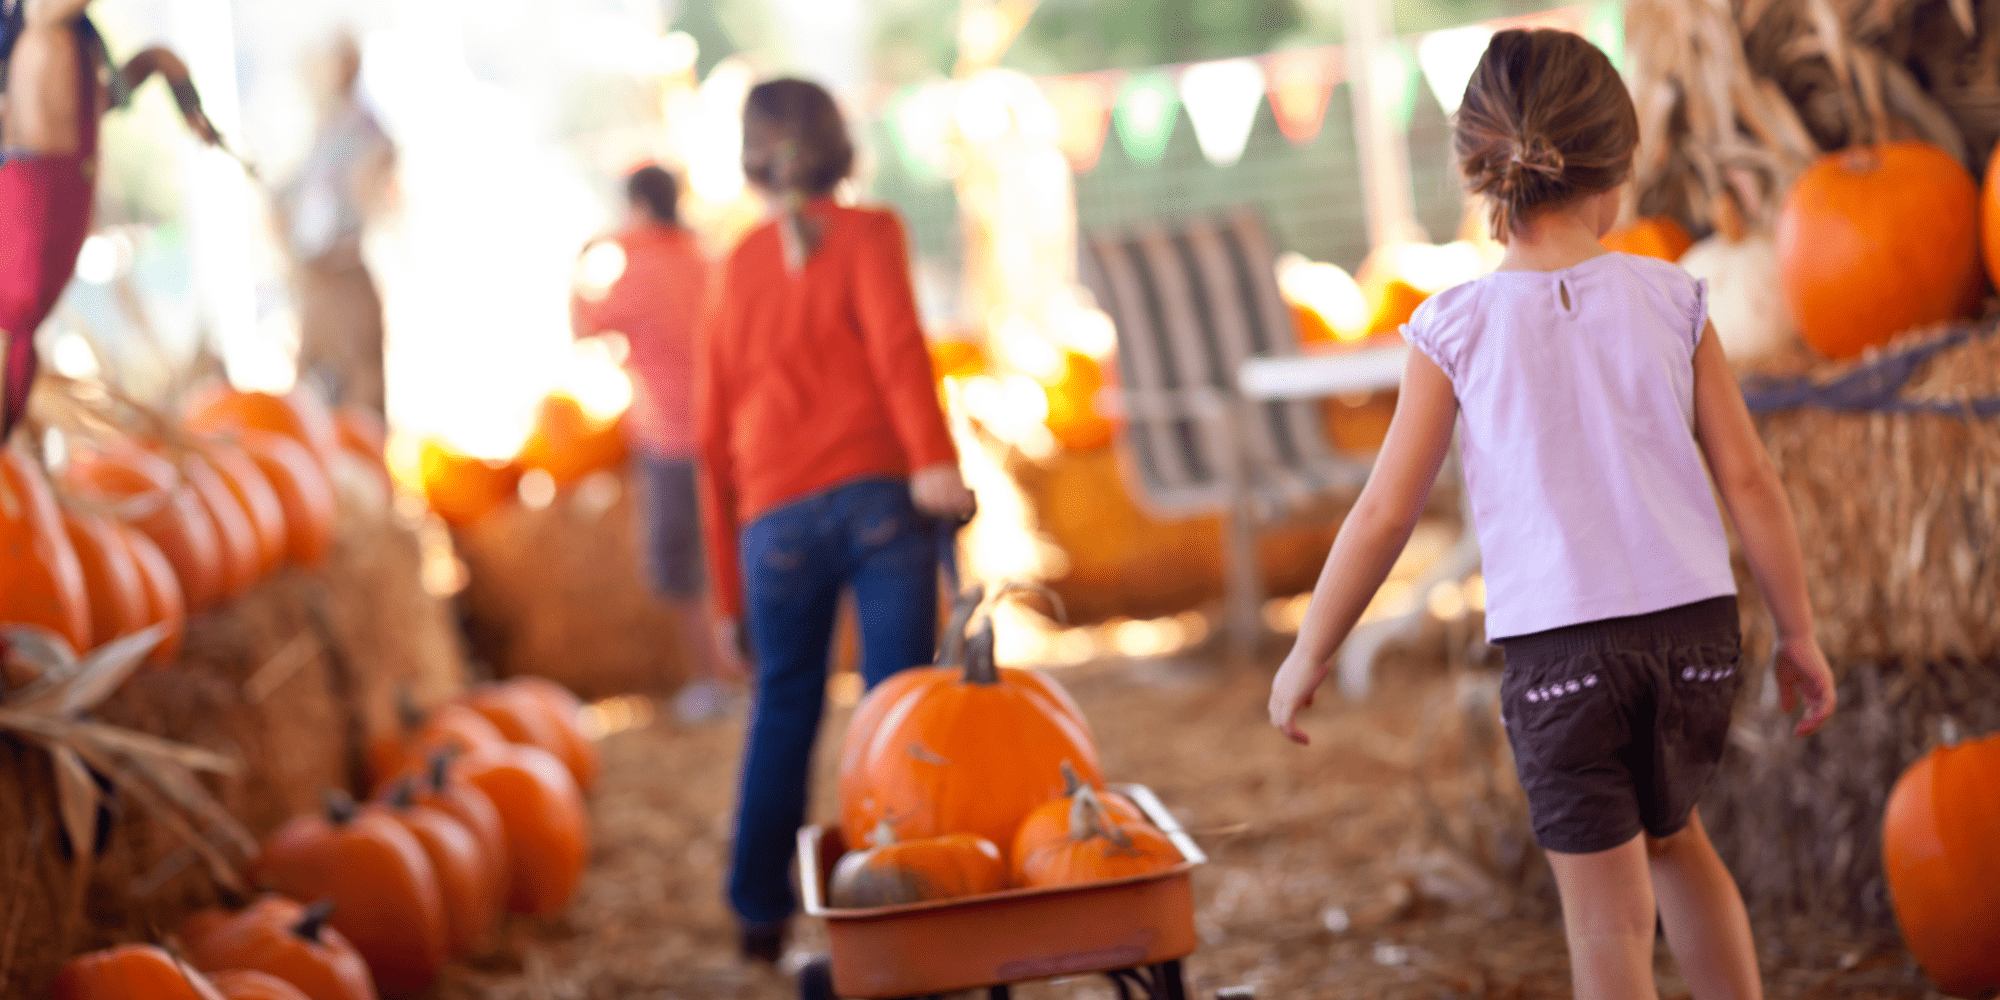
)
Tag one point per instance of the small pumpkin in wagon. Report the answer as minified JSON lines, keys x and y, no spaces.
{"x":897,"y":873}
{"x":1080,"y":840}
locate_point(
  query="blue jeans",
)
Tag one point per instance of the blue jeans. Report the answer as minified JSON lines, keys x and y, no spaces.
{"x":866,"y":535}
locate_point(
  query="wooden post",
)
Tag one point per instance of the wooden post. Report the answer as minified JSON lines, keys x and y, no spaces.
{"x":1380,"y":141}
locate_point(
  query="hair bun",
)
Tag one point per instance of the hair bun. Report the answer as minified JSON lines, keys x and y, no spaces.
{"x":1533,"y":154}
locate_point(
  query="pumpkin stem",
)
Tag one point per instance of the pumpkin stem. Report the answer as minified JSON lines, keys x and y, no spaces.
{"x":951,"y":651}
{"x":884,"y":835}
{"x":440,"y":766}
{"x":402,"y":794}
{"x":979,"y":666}
{"x":408,"y":714}
{"x":1088,"y":819}
{"x":309,"y":926}
{"x":340,"y":807}
{"x":1072,"y":784}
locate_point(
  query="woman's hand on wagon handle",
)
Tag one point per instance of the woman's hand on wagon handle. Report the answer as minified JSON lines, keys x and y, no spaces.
{"x":939,"y":491}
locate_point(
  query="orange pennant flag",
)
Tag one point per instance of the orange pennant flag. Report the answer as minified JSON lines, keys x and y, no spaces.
{"x":1083,"y":115}
{"x":1301,"y":81}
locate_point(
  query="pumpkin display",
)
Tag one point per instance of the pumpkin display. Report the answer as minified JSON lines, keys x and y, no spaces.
{"x":128,"y":972}
{"x":568,"y":443}
{"x":460,"y":488}
{"x":164,"y":603}
{"x":1938,"y":832}
{"x":41,"y":580}
{"x":253,"y":491}
{"x":959,"y":751}
{"x":242,"y":560}
{"x":1086,"y":843}
{"x":542,"y":812}
{"x":1654,"y":236}
{"x":437,"y":787}
{"x":524,"y":717}
{"x":419,"y":734}
{"x":896,"y":873}
{"x":384,"y":890}
{"x":162,"y":511}
{"x":471,"y":895}
{"x":300,"y":415}
{"x":110,"y":577}
{"x":1855,"y":269}
{"x":243,"y":984}
{"x":304,"y":493}
{"x":561,"y":705}
{"x":277,"y":936}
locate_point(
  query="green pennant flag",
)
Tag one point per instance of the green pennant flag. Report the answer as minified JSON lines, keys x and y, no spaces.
{"x":918,"y":122}
{"x":1148,"y":106}
{"x":1605,"y":27}
{"x":1396,"y":83}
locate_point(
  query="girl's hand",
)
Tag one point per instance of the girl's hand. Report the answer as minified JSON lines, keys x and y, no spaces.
{"x":938,"y":490}
{"x":1803,"y":675}
{"x":1292,"y":690}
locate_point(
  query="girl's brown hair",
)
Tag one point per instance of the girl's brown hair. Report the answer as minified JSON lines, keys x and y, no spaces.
{"x":1545,"y":118}
{"x":794,"y":140}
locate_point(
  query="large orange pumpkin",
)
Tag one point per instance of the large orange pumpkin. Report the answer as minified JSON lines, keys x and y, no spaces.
{"x":1875,"y":240}
{"x":41,"y":580}
{"x":896,"y":873}
{"x":283,"y":939}
{"x":163,"y":510}
{"x":471,"y":896}
{"x":303,"y":489}
{"x":542,"y":811}
{"x":1989,"y":216}
{"x":236,"y":538}
{"x":960,"y":751}
{"x":300,"y":415}
{"x":243,"y":984}
{"x":568,"y":443}
{"x":164,"y":603}
{"x":463,"y":489}
{"x":110,"y":576}
{"x":419,"y":734}
{"x":1939,"y":833}
{"x":253,"y":490}
{"x":1092,"y":845}
{"x":385,"y":893}
{"x":129,"y":972}
{"x":1654,"y":236}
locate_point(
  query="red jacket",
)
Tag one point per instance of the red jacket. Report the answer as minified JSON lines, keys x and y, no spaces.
{"x":657,"y":305}
{"x":807,"y":380}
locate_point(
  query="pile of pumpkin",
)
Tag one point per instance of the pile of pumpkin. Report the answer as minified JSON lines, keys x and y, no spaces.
{"x":968,"y":780}
{"x":567,"y":443}
{"x":149,"y":527}
{"x":478,"y":808}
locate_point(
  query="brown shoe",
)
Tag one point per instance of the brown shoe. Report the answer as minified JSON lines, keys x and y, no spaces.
{"x":762,"y":943}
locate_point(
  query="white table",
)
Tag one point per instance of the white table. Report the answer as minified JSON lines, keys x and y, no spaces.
{"x":1311,"y":376}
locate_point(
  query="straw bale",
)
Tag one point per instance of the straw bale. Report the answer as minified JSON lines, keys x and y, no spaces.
{"x":560,"y":593}
{"x":276,"y":679}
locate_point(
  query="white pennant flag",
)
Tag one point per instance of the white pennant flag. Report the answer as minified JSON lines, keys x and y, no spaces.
{"x":1448,"y":58}
{"x":1221,"y":99}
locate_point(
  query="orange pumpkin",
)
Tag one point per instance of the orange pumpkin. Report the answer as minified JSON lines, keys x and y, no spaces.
{"x":472,"y":898}
{"x":385,"y":893}
{"x":164,"y":603}
{"x":420,"y":734}
{"x":1398,"y":301}
{"x":163,"y":511}
{"x":41,"y":580}
{"x":957,"y":358}
{"x":1654,"y":236}
{"x":897,"y":873}
{"x":960,"y":751}
{"x":1051,"y":819}
{"x":362,"y":432}
{"x":253,"y":491}
{"x":243,"y":984}
{"x":569,"y":443}
{"x":283,"y":939}
{"x":1087,"y":844}
{"x":304,"y":492}
{"x":1072,"y":401}
{"x":1938,"y":835}
{"x":523,"y":717}
{"x":110,"y":576}
{"x":578,"y":750}
{"x":1876,"y":240}
{"x":128,"y":972}
{"x":542,"y":811}
{"x":437,"y":787}
{"x":236,"y":538}
{"x":463,"y":489}
{"x":1989,"y":216}
{"x":300,"y":415}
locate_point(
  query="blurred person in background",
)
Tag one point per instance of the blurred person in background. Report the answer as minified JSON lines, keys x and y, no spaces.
{"x":346,"y":181}
{"x":656,"y":301}
{"x":825,"y":459}
{"x":59,"y":81}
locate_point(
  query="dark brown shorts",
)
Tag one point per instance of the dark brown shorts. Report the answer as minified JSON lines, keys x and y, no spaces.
{"x":1617,"y":725}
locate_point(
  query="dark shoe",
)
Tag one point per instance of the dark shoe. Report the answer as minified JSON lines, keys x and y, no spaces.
{"x":764,"y":943}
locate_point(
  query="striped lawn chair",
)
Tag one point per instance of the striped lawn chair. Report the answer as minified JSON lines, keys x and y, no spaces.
{"x":1192,"y":300}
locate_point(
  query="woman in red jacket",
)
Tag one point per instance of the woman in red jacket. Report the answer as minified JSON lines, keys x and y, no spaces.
{"x":825,"y":459}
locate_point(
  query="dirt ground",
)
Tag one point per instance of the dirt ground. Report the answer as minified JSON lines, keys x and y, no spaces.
{"x":1381,"y":862}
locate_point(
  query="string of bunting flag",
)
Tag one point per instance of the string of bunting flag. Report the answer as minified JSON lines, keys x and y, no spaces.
{"x":1222,"y":96}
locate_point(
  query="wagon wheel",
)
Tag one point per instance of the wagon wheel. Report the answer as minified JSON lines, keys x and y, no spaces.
{"x":1151,"y":982}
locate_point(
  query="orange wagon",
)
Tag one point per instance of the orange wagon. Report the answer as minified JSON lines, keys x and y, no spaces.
{"x":1134,"y":930}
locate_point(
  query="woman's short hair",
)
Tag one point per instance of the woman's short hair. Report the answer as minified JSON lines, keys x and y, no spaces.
{"x":656,"y":190}
{"x":794,"y":138}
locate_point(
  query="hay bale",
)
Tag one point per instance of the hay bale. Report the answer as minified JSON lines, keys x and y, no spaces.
{"x":285,"y":678}
{"x":559,"y":592}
